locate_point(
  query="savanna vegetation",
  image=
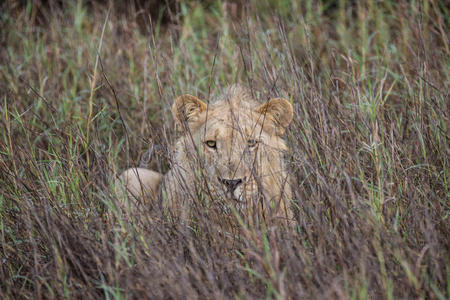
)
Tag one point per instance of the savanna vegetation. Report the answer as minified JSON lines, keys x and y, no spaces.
{"x":86,"y":88}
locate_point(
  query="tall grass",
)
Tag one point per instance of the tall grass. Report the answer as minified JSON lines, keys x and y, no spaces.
{"x":87,"y":88}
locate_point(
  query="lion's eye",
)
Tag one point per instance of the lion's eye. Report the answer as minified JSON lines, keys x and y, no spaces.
{"x":211,"y":144}
{"x":252,"y":143}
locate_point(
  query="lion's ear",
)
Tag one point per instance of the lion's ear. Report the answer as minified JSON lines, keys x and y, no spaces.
{"x":188,"y":110}
{"x":277,"y":115}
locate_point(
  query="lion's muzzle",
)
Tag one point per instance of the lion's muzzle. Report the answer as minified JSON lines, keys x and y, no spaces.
{"x":231,"y":184}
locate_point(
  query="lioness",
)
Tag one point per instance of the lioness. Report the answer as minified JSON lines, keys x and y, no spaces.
{"x":229,"y":157}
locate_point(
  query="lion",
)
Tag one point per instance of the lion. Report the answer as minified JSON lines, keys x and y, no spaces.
{"x":229,"y":159}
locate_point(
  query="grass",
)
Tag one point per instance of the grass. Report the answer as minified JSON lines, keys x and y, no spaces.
{"x":86,"y":88}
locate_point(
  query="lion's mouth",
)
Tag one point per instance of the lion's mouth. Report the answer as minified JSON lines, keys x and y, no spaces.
{"x":234,"y":196}
{"x":237,"y":199}
{"x":229,"y":201}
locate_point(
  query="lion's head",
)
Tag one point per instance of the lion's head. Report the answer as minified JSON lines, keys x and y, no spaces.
{"x":235,"y":145}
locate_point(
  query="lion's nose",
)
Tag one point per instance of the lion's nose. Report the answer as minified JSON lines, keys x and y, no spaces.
{"x":231,"y":184}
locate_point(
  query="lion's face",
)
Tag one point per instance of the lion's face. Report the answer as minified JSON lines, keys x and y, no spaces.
{"x":235,"y":144}
{"x":235,"y":149}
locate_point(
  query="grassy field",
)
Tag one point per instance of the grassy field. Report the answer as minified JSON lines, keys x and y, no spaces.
{"x":86,"y":88}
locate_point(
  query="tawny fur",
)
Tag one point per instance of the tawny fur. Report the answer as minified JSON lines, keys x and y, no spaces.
{"x":138,"y":185}
{"x":248,"y":147}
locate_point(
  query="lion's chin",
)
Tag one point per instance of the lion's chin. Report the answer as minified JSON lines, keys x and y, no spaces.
{"x":235,"y":197}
